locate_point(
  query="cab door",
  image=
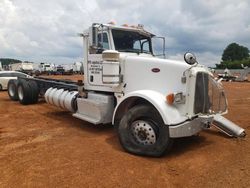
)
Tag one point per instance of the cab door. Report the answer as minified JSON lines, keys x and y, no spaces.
{"x":95,"y":61}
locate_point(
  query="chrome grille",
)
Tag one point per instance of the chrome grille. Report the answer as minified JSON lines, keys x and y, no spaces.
{"x":201,"y":104}
{"x":209,"y":95}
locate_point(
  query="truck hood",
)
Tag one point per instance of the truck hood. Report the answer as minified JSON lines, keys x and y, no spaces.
{"x":145,"y":72}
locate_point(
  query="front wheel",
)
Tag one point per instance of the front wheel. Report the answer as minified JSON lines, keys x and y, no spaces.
{"x":143,"y":132}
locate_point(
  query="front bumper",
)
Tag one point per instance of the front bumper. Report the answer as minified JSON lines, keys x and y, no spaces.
{"x":191,"y":127}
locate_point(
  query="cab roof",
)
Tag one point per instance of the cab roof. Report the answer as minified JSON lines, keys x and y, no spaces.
{"x":136,"y":28}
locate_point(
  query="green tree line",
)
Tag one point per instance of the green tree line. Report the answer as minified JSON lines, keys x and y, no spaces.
{"x":233,"y":56}
{"x":7,"y":61}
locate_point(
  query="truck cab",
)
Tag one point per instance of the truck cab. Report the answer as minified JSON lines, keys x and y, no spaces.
{"x":124,"y":41}
{"x":148,"y":99}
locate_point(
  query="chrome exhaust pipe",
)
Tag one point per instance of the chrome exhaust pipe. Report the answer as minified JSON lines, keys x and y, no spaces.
{"x":228,"y":127}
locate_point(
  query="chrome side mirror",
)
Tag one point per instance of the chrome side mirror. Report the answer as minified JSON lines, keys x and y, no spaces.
{"x":190,"y":58}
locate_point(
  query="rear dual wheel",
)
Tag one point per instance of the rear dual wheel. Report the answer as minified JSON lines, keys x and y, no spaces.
{"x":12,"y":90}
{"x":23,"y":92}
{"x":34,"y":91}
{"x":27,"y":92}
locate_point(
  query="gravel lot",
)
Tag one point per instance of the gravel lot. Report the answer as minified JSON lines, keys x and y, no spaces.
{"x":43,"y":146}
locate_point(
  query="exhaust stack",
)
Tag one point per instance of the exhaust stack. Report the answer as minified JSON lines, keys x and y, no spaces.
{"x":228,"y":127}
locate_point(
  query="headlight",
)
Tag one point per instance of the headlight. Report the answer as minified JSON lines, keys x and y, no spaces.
{"x":177,"y":98}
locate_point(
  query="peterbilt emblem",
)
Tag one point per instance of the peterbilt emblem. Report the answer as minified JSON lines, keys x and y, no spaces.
{"x":155,"y":70}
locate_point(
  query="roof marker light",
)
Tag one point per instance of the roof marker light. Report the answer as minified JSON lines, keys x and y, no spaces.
{"x":112,"y":23}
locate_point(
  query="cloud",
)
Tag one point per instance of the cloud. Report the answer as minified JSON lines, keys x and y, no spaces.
{"x":47,"y":30}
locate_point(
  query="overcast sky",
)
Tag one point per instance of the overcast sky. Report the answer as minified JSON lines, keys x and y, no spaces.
{"x":47,"y":30}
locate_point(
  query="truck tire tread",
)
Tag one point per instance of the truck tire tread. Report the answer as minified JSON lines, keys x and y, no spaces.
{"x":34,"y":91}
{"x":163,"y":142}
{"x":27,"y":93}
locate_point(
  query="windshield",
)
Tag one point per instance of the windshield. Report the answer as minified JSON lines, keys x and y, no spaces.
{"x":130,"y":41}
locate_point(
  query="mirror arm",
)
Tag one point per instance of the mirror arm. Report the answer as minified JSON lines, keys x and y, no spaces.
{"x":164,"y":46}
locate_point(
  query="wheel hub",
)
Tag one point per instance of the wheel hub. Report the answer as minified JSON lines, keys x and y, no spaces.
{"x":143,"y":132}
{"x":142,"y":135}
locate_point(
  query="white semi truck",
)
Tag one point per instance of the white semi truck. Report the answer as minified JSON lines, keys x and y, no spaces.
{"x":78,"y":67}
{"x":26,"y":67}
{"x":150,"y":101}
{"x":43,"y":68}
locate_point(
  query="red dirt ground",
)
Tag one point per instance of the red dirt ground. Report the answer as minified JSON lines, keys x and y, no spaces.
{"x":43,"y":146}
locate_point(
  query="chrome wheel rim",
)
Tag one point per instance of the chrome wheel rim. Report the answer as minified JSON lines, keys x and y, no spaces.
{"x":11,"y":90}
{"x":143,"y":132}
{"x":20,"y":93}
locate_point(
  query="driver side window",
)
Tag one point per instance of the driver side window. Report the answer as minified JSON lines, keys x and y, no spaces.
{"x":103,"y":42}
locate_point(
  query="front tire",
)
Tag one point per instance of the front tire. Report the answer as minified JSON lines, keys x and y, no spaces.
{"x":143,"y":132}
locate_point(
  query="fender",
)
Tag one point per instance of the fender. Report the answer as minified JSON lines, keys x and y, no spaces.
{"x":169,"y":114}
